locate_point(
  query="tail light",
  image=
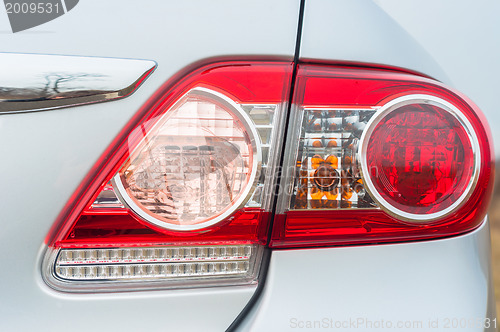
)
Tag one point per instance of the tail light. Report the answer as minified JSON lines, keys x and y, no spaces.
{"x":380,"y":156}
{"x":184,"y":195}
{"x":420,"y":158}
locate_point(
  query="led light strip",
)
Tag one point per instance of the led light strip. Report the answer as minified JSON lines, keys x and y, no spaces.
{"x":152,"y":255}
{"x":151,"y":271}
{"x":107,"y":264}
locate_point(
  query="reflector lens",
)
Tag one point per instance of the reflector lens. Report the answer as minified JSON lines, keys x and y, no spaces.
{"x":419,"y":159}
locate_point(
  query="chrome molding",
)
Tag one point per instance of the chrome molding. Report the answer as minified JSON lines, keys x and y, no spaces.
{"x":36,"y":82}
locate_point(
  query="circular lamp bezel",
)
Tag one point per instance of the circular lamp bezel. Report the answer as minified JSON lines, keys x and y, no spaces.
{"x":382,"y":112}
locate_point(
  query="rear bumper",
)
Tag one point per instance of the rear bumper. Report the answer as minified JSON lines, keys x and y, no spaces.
{"x":430,"y":285}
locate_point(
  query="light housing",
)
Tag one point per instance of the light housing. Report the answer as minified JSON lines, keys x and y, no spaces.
{"x":341,"y":119}
{"x":224,"y":119}
{"x":184,"y":196}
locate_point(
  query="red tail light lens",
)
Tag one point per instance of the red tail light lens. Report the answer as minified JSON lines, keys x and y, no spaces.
{"x":419,"y":157}
{"x":380,"y":156}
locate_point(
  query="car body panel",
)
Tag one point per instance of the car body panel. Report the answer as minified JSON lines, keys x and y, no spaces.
{"x":45,"y":155}
{"x":462,"y":37}
{"x":415,"y":283}
{"x":453,"y":41}
{"x":361,"y":32}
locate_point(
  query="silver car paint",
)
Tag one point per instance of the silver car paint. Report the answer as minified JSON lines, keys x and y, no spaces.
{"x":45,"y":156}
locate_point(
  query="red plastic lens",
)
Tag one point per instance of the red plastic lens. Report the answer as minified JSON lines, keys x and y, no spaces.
{"x":420,"y":160}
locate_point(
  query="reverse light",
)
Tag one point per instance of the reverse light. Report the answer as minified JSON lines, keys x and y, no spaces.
{"x":195,"y":167}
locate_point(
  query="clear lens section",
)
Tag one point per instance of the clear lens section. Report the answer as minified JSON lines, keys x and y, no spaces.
{"x":327,"y":173}
{"x":265,"y":119}
{"x":107,"y":199}
{"x":154,"y":262}
{"x":199,"y":164}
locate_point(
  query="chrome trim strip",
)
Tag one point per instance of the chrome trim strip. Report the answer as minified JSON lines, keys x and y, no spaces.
{"x":38,"y":82}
